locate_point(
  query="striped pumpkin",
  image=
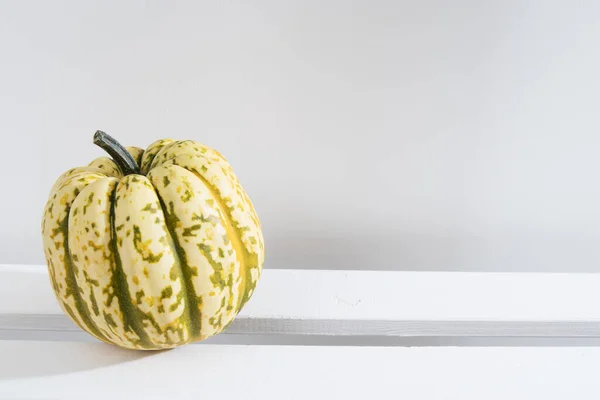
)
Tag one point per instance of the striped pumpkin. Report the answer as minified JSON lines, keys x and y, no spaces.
{"x":152,"y":249}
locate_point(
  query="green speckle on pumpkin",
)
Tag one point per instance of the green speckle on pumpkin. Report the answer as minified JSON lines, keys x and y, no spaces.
{"x":139,"y":295}
{"x":173,"y":274}
{"x":110,"y":320}
{"x":88,"y":203}
{"x":189,"y":231}
{"x":142,"y":248}
{"x":149,"y":207}
{"x":166,"y":292}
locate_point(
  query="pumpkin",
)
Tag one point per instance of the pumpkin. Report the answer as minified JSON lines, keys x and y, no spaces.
{"x":152,"y":249}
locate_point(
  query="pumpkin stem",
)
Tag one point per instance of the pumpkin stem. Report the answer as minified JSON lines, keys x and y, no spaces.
{"x":119,"y":154}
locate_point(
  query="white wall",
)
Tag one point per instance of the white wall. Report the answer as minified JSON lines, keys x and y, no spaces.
{"x":370,"y":134}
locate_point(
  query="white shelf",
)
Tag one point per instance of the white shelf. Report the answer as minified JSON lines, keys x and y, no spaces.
{"x":363,"y":303}
{"x":45,"y":356}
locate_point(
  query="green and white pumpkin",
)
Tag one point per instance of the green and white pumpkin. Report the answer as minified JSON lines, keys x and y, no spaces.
{"x":152,"y":249}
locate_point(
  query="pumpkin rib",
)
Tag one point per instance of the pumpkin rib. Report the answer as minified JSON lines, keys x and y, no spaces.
{"x":251,"y":245}
{"x":242,"y":253}
{"x":56,"y":249}
{"x":71,"y":280}
{"x":89,"y":239}
{"x":218,"y":177}
{"x":71,"y":283}
{"x":121,"y":287}
{"x":148,"y":262}
{"x":199,"y":228}
{"x":191,"y":299}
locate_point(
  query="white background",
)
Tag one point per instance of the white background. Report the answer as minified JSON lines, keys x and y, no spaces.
{"x":409,"y":135}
